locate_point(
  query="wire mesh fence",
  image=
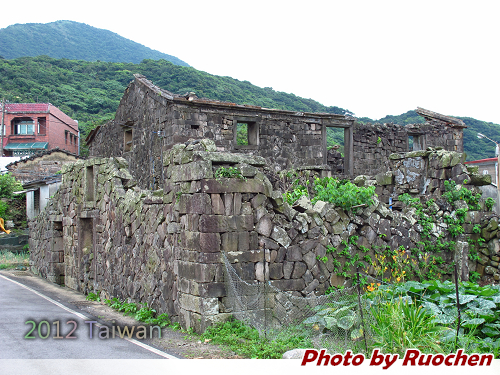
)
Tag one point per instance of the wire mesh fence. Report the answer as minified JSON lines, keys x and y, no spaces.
{"x":337,"y":321}
{"x":346,"y":319}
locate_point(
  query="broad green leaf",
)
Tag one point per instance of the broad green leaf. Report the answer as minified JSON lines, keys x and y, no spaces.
{"x":490,"y":332}
{"x":473,"y":322}
{"x":356,"y":334}
{"x":463,"y":298}
{"x":330,"y":322}
{"x":485,"y":304}
{"x":346,"y":322}
{"x":312,"y":320}
{"x":496,"y":299}
{"x":415,"y":286}
{"x":326,"y":311}
{"x":444,"y":319}
{"x":431,"y":308}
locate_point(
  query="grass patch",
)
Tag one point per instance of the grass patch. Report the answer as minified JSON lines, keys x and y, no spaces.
{"x":9,"y":260}
{"x":140,"y":312}
{"x":401,"y":325}
{"x":245,"y":340}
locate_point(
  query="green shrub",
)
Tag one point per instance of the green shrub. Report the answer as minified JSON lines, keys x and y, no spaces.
{"x":342,"y":193}
{"x":4,"y":208}
{"x":229,"y":172}
{"x":8,"y":185}
{"x":297,"y":191}
{"x":489,"y":203}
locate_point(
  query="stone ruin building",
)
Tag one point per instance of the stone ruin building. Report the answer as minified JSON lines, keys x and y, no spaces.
{"x":147,"y":218}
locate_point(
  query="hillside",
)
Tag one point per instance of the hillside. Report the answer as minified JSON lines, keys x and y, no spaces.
{"x":74,"y":40}
{"x":91,"y":91}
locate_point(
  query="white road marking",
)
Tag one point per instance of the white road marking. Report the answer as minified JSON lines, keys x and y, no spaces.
{"x":81,"y":316}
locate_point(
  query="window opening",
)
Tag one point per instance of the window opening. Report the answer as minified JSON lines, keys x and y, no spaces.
{"x":23,"y":126}
{"x":247,"y":134}
{"x":410,"y":142}
{"x":90,"y":183}
{"x":36,"y":202}
{"x":42,"y":125}
{"x":242,"y":134}
{"x":127,"y":140}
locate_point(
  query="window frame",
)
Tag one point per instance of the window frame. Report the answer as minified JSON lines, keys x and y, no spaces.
{"x":253,"y":132}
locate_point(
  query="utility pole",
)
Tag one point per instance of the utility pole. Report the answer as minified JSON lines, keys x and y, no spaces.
{"x":2,"y":128}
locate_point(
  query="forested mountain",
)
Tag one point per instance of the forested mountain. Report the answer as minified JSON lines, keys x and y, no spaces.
{"x":91,"y":91}
{"x":74,"y":40}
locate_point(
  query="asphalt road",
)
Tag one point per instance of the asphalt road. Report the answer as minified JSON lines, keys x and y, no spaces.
{"x":21,"y":340}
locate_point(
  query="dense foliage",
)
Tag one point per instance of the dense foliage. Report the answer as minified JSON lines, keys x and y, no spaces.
{"x":342,"y":193}
{"x":479,"y":312}
{"x":74,"y":40}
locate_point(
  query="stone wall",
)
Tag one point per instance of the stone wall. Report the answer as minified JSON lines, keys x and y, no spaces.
{"x":150,"y":121}
{"x":373,"y":143}
{"x":102,"y":232}
{"x":157,"y":120}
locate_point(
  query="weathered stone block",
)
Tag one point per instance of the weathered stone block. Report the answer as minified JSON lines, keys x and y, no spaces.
{"x":267,"y":243}
{"x":258,"y":200}
{"x":385,"y":178}
{"x":299,"y":270}
{"x":232,"y":185}
{"x":480,"y":179}
{"x":199,"y":203}
{"x":264,"y":226}
{"x":229,"y":241}
{"x":294,"y":254}
{"x":243,"y":241}
{"x":217,"y":204}
{"x":289,"y":285}
{"x":310,"y":259}
{"x":313,"y":285}
{"x":200,"y":305}
{"x":231,"y":158}
{"x":213,"y":223}
{"x":228,"y":204}
{"x":193,"y":171}
{"x":200,"y":272}
{"x":275,"y":271}
{"x":280,"y":236}
{"x":493,"y":247}
{"x":210,"y":242}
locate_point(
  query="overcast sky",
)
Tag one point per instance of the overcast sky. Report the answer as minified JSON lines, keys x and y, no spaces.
{"x":373,"y":57}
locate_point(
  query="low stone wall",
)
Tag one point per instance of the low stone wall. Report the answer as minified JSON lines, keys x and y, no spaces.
{"x":102,"y":232}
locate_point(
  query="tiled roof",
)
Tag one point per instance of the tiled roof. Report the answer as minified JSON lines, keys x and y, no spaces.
{"x":27,"y":107}
{"x":489,"y":160}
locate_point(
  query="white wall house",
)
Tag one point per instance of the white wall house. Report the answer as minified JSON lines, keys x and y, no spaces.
{"x":38,"y":194}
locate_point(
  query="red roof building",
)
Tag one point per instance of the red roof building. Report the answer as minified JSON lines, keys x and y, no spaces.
{"x":32,"y":127}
